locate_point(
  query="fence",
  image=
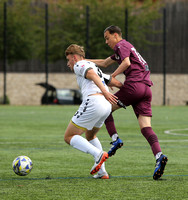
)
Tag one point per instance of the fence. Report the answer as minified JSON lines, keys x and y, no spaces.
{"x":176,"y":43}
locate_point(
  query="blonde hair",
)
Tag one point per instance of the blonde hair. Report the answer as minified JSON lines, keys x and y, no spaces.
{"x":75,"y":49}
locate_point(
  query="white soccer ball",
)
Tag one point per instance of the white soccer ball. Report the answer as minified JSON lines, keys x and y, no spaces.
{"x":22,"y":165}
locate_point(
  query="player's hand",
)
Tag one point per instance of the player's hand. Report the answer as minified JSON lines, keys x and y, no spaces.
{"x":111,"y":98}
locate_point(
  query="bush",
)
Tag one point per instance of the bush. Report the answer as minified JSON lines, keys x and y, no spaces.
{"x":7,"y":101}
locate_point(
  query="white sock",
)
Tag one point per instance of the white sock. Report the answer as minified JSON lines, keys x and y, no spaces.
{"x":114,"y":137}
{"x":96,"y":142}
{"x":158,"y":155}
{"x":80,"y":143}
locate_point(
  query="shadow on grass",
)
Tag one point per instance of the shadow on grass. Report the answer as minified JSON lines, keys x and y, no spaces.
{"x":111,"y":177}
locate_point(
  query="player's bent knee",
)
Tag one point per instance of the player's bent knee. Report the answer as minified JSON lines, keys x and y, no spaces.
{"x":115,"y":107}
{"x":67,"y":139}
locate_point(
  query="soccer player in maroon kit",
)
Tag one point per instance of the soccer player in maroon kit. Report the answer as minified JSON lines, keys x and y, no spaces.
{"x":136,"y":91}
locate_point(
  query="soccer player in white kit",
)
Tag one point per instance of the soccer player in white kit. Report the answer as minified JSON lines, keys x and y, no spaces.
{"x":95,"y":108}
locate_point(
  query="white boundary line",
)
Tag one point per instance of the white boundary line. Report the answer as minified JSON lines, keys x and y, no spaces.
{"x":15,"y":142}
{"x":171,"y":132}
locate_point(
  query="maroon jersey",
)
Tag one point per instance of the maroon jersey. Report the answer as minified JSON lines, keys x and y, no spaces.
{"x":138,"y":71}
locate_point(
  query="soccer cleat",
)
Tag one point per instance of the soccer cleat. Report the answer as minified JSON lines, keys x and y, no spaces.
{"x":101,"y":176}
{"x":101,"y":158}
{"x":159,"y":167}
{"x":115,"y":145}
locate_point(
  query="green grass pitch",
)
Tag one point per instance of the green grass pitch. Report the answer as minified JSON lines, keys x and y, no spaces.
{"x":61,"y":172}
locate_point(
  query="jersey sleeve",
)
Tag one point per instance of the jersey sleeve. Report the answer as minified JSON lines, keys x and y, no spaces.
{"x":82,"y":68}
{"x":123,"y":52}
{"x":113,"y":57}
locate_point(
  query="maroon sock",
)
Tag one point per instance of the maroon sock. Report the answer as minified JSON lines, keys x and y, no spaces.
{"x":152,"y":139}
{"x":110,"y":126}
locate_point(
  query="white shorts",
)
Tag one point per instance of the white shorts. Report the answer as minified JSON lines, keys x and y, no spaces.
{"x":92,"y":112}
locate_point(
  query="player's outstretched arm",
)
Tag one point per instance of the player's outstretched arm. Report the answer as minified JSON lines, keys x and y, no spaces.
{"x":111,"y":81}
{"x":115,"y":83}
{"x":102,"y":62}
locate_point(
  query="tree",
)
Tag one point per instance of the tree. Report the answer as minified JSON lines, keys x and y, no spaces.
{"x":20,"y":31}
{"x":67,"y":24}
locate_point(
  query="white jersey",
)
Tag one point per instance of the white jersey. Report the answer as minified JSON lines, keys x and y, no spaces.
{"x":87,"y":86}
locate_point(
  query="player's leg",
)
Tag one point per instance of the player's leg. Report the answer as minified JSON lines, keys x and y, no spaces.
{"x":124,"y":95}
{"x":92,"y":114}
{"x":110,"y":126}
{"x":151,"y":137}
{"x":149,"y":134}
{"x":103,"y":110}
{"x":109,"y":123}
{"x":93,"y":139}
{"x":73,"y":137}
{"x":144,"y":113}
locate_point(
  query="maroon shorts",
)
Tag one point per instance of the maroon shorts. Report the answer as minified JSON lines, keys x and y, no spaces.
{"x":138,"y":95}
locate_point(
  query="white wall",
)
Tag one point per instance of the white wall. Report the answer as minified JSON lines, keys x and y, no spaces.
{"x":21,"y":88}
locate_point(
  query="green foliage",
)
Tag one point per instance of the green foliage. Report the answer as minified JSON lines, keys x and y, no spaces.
{"x":67,"y":24}
{"x":7,"y":100}
{"x":19,"y":31}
